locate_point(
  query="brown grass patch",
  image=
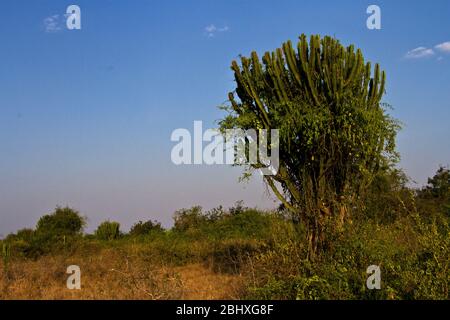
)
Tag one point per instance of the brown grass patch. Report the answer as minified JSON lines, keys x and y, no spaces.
{"x":114,"y":274}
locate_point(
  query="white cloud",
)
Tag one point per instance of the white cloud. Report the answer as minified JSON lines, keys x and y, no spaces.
{"x":52,"y":23}
{"x":212,"y":30}
{"x":420,"y":52}
{"x":444,"y":47}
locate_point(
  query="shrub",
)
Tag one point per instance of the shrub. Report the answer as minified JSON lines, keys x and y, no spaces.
{"x":439,"y":185}
{"x":188,"y":219}
{"x":146,"y":228}
{"x":412,"y":255}
{"x":25,"y":243}
{"x":108,"y":231}
{"x":248,"y":223}
{"x":62,"y":222}
{"x":23,"y":234}
{"x":56,"y":231}
{"x":434,"y":199}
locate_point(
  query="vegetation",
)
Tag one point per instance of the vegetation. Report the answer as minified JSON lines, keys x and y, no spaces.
{"x":344,"y":206}
{"x":58,"y":230}
{"x":146,"y":228}
{"x":253,"y":254}
{"x":108,"y":231}
{"x":335,"y":135}
{"x":62,"y":222}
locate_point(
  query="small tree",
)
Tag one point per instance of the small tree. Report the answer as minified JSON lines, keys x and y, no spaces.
{"x":62,"y":222}
{"x":334,"y":132}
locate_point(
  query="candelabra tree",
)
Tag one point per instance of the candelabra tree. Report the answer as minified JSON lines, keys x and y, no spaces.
{"x":335,"y":135}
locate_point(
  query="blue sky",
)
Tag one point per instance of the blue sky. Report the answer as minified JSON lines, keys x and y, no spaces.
{"x":86,"y":115}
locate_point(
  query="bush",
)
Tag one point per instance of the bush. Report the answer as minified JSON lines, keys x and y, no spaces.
{"x":403,"y":231}
{"x":146,"y":228}
{"x":217,"y":224}
{"x":54,"y":232}
{"x":188,"y":219}
{"x":248,"y":224}
{"x":412,"y":255}
{"x":434,"y":199}
{"x":62,"y":222}
{"x":23,"y":234}
{"x":25,"y":243}
{"x":108,"y":231}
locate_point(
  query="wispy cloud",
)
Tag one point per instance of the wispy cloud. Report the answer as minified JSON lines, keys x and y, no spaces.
{"x":424,"y":52}
{"x":420,"y":52}
{"x":444,"y":47}
{"x":212,"y":30}
{"x":53,"y":23}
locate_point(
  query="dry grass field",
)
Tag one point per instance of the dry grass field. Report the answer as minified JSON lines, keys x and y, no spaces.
{"x":111,"y":274}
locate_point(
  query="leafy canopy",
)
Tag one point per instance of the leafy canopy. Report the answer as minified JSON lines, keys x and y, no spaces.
{"x":335,"y":134}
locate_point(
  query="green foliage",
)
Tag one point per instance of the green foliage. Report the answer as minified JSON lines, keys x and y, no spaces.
{"x":388,"y":198}
{"x":60,"y":230}
{"x":188,"y":219}
{"x":438,"y":185}
{"x":145,"y":228}
{"x":411,"y":248}
{"x":335,"y":134}
{"x":108,"y":230}
{"x":402,"y":230}
{"x":414,"y":265}
{"x":250,"y":224}
{"x":62,"y":222}
{"x":436,"y":192}
{"x":26,"y":235}
{"x":218,"y":224}
{"x":26,"y":243}
{"x":56,"y":231}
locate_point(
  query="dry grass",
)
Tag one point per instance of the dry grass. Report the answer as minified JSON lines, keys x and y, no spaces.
{"x":114,"y":274}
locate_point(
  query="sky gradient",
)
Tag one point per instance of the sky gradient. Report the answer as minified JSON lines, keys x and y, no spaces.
{"x":86,"y":115}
